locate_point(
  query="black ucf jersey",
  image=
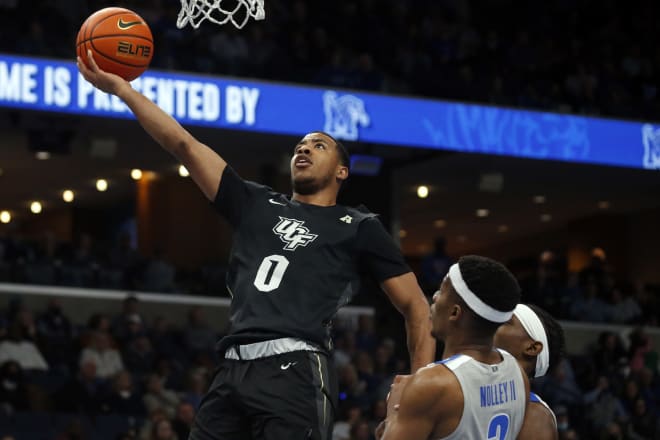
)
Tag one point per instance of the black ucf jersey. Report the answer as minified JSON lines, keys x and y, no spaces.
{"x":293,"y":265}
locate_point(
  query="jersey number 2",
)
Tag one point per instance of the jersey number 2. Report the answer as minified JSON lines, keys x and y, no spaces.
{"x":270,"y":273}
{"x":498,"y":427}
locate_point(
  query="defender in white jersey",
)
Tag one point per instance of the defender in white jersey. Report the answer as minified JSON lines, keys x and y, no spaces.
{"x":477,"y":391}
{"x":536,"y":340}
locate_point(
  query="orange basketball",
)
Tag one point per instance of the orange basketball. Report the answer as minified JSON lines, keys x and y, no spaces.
{"x":120,"y":41}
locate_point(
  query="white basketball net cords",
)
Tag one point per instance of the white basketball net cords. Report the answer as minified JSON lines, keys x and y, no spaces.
{"x":196,"y":11}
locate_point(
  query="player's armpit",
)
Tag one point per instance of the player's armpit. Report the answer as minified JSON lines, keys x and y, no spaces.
{"x":538,"y":424}
{"x":406,"y":295}
{"x":415,"y":417}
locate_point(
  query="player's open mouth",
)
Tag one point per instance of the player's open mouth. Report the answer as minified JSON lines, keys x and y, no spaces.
{"x":302,"y":162}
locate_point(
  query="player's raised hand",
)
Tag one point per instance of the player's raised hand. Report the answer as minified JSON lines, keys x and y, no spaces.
{"x":102,"y":80}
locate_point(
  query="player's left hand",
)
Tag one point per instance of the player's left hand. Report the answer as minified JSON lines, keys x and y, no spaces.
{"x":104,"y":81}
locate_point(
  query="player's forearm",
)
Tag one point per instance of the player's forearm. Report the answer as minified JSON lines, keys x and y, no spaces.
{"x":421,"y":344}
{"x":162,"y":127}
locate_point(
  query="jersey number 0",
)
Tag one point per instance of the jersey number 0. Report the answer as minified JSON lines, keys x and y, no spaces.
{"x":270,"y":273}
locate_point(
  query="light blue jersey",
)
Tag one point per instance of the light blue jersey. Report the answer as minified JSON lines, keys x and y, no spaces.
{"x":493,"y":397}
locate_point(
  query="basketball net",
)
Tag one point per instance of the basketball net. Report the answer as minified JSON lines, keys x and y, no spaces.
{"x":196,"y":11}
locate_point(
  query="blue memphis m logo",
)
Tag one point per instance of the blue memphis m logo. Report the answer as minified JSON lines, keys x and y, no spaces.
{"x":344,"y":115}
{"x":651,"y":141}
{"x":293,"y":233}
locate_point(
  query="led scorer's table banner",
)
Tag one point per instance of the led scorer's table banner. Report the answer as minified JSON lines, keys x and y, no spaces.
{"x":49,"y":85}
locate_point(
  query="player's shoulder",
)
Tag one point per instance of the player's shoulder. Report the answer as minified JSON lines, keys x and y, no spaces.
{"x":434,"y":377}
{"x":539,"y":422}
{"x":359,"y":213}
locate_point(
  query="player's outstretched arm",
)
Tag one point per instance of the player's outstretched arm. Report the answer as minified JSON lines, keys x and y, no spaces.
{"x":204,"y":164}
{"x":406,"y":295}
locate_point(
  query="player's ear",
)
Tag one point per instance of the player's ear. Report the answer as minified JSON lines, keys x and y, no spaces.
{"x":456,"y":312}
{"x":533,"y":348}
{"x":342,"y":173}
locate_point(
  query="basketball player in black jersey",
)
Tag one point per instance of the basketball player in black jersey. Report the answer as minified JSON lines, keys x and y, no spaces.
{"x":294,"y":262}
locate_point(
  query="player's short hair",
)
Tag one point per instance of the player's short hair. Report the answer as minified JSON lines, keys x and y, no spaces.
{"x":344,"y":157}
{"x":555,"y":334}
{"x":493,"y":283}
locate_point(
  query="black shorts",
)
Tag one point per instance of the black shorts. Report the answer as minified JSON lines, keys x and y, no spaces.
{"x":287,"y":396}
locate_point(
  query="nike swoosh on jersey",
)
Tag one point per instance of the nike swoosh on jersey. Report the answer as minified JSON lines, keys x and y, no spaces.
{"x":286,"y":366}
{"x":121,"y":24}
{"x":274,"y":202}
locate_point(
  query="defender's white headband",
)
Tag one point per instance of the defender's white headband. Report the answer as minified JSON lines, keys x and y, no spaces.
{"x":534,"y":328}
{"x":473,"y":301}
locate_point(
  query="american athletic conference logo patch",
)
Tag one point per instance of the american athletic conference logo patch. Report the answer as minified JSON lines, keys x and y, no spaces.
{"x":293,"y":233}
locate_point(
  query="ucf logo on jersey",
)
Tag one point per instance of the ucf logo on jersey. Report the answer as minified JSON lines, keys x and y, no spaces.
{"x":293,"y":233}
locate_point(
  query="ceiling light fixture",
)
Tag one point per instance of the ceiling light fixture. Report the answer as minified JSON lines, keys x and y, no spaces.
{"x":5,"y":217}
{"x":68,"y":195}
{"x":183,"y":172}
{"x":136,"y":174}
{"x":42,"y":155}
{"x":36,"y":207}
{"x":482,"y":212}
{"x":422,"y":191}
{"x":101,"y":185}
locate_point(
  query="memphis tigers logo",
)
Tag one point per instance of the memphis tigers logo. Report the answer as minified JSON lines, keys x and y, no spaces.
{"x":293,"y":233}
{"x":651,"y":141}
{"x":343,"y":115}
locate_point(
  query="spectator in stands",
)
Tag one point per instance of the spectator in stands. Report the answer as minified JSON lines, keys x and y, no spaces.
{"x":185,"y":414}
{"x":55,"y":335}
{"x":100,"y":352}
{"x":350,"y":415}
{"x":560,"y":388}
{"x":158,"y":275}
{"x":85,"y":392}
{"x":13,"y":388}
{"x":589,"y":306}
{"x":124,"y":398}
{"x":649,"y":301}
{"x":609,"y":353}
{"x":162,"y":430}
{"x":139,"y":356}
{"x":198,"y":336}
{"x":365,"y":337}
{"x":157,"y":396}
{"x":649,"y":389}
{"x":124,"y":325}
{"x":643,"y":424}
{"x":344,"y":348}
{"x":641,"y":351}
{"x":625,"y":309}
{"x":196,"y":385}
{"x":352,"y":391}
{"x":435,"y":266}
{"x":126,"y":260}
{"x":604,"y":406}
{"x":21,"y":350}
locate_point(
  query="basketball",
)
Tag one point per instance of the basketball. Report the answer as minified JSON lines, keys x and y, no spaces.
{"x":120,"y":41}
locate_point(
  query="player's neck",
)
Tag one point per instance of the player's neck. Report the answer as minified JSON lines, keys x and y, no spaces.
{"x":321,"y":198}
{"x":481,"y":349}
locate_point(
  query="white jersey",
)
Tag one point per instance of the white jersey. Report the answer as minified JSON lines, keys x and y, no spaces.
{"x":493,"y":397}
